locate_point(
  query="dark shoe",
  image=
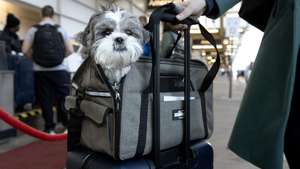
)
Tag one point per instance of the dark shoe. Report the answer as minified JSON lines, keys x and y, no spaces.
{"x":50,"y":131}
{"x":60,"y":128}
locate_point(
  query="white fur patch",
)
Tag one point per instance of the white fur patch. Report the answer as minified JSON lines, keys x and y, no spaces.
{"x":116,"y":16}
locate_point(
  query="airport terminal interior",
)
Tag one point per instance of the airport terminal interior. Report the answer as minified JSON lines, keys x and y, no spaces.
{"x":236,"y":41}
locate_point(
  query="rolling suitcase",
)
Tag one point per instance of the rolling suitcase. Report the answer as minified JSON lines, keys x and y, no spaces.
{"x":83,"y":158}
{"x":24,"y":82}
{"x":196,"y":154}
{"x":24,"y":79}
{"x":3,"y":56}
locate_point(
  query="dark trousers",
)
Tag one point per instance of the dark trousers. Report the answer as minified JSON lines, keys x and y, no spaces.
{"x":51,"y":88}
{"x":292,"y":133}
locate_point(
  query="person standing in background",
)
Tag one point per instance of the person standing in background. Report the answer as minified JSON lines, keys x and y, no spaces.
{"x":268,"y":122}
{"x":172,"y":42}
{"x":9,"y":34}
{"x":146,"y":53}
{"x":47,"y":44}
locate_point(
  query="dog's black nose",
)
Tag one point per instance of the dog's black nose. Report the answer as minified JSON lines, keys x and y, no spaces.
{"x":119,"y":40}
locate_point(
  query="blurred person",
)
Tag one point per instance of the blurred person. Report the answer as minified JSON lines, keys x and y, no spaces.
{"x":47,"y":44}
{"x":248,"y":71}
{"x":9,"y":34}
{"x":144,"y":21}
{"x":171,"y":40}
{"x":267,"y":124}
{"x":23,"y":95}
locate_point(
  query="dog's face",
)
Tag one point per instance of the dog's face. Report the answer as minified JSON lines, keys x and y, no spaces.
{"x":114,"y":38}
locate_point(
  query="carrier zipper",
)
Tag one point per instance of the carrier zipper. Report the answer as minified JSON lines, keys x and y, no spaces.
{"x":194,"y":63}
{"x":116,"y":100}
{"x":98,"y":94}
{"x":116,"y":89}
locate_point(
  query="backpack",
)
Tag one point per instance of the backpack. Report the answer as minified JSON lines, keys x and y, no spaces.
{"x":48,"y":46}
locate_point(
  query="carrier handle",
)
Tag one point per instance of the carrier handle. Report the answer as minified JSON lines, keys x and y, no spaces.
{"x":168,"y":13}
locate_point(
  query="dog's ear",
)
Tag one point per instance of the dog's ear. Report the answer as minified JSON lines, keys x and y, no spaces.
{"x":102,"y":8}
{"x":82,"y":49}
{"x":86,"y":37}
{"x":146,"y":36}
{"x":78,"y":37}
{"x":110,"y":5}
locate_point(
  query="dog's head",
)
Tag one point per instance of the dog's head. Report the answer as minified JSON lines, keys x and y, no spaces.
{"x":114,"y":38}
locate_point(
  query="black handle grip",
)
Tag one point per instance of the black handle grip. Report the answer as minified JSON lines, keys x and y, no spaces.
{"x":168,"y":17}
{"x":167,"y":13}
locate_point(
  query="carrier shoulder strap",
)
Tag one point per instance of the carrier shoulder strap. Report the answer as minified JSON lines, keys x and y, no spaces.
{"x":210,"y":76}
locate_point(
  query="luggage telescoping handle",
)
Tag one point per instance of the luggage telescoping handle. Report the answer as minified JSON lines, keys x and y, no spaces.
{"x":156,"y":97}
{"x":187,"y":87}
{"x":167,"y":13}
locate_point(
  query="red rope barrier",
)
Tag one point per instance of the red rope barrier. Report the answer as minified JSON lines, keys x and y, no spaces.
{"x":29,"y":130}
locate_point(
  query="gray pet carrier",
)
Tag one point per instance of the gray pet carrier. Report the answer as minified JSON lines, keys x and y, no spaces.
{"x":117,"y":119}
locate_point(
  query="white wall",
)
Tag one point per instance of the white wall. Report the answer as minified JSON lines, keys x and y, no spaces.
{"x":89,"y":3}
{"x":73,"y":15}
{"x":137,"y":7}
{"x":72,"y":27}
{"x":41,"y":3}
{"x":75,"y":10}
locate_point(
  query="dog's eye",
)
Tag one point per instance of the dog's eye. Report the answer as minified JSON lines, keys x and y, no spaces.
{"x":129,"y":32}
{"x":106,"y":32}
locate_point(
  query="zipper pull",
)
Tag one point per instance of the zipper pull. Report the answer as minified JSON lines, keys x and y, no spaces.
{"x":118,"y":100}
{"x":116,"y":88}
{"x":118,"y":97}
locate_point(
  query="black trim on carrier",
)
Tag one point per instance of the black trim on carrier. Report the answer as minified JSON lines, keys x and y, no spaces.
{"x":117,"y":114}
{"x":143,"y":123}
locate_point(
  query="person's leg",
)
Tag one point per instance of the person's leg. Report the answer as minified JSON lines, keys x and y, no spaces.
{"x":61,"y":81}
{"x":292,"y":133}
{"x":44,"y":95}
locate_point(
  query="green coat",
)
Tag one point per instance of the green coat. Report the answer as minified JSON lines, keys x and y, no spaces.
{"x":258,"y":133}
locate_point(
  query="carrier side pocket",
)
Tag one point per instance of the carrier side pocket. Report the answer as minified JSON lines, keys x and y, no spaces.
{"x":172,"y":115}
{"x":95,"y":112}
{"x":96,"y":127}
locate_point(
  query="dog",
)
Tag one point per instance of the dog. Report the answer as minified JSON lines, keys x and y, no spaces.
{"x":114,"y":38}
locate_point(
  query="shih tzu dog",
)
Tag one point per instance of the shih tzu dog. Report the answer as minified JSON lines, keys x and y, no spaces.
{"x":114,"y":38}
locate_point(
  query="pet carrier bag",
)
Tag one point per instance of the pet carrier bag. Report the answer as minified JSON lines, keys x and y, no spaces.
{"x":147,"y":111}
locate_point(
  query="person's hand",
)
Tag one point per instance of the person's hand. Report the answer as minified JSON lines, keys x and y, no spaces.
{"x":192,"y":7}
